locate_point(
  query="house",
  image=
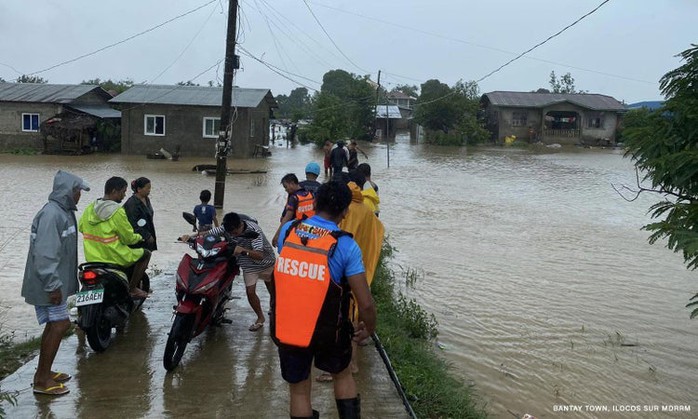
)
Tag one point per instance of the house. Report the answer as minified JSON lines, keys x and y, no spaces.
{"x":563,"y":118}
{"x":389,"y":118}
{"x":188,"y":118}
{"x":401,"y":99}
{"x":52,"y":117}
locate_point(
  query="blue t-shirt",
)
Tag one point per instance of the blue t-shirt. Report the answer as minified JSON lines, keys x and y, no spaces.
{"x":346,"y":259}
{"x":204,"y":214}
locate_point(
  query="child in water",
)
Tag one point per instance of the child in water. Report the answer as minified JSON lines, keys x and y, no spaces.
{"x":205,"y":213}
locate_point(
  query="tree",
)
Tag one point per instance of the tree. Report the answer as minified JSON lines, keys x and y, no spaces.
{"x":665,"y":150}
{"x":344,"y":108}
{"x":113,"y":87}
{"x":2,"y":80}
{"x":188,"y":83}
{"x":437,"y":107}
{"x":564,"y":84}
{"x":294,"y":106}
{"x":31,"y":79}
{"x":451,"y":112}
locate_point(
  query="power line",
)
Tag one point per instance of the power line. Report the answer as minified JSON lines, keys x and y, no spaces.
{"x":462,"y":41}
{"x":520,"y":55}
{"x":279,"y":71}
{"x":123,"y":40}
{"x":196,"y":35}
{"x":543,"y":42}
{"x":330,"y":38}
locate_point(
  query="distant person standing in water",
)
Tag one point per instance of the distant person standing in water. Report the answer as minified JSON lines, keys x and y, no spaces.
{"x":205,"y":213}
{"x":51,"y":275}
{"x":327,"y":149}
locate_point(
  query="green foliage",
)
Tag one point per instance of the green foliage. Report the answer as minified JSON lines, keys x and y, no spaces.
{"x":565,"y":84}
{"x":115,"y":87}
{"x":343,"y":108}
{"x":633,"y":119}
{"x":424,"y":376}
{"x":664,"y":147}
{"x":295,"y":106}
{"x":31,"y":79}
{"x":2,"y":80}
{"x":110,"y":134}
{"x":186,"y":83}
{"x":24,"y":151}
{"x":451,"y":113}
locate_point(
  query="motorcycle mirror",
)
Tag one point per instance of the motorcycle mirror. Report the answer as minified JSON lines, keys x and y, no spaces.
{"x":190,"y":218}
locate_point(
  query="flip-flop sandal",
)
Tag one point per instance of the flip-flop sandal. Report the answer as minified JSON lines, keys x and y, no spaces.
{"x":53,"y":390}
{"x":61,"y":377}
{"x":255,"y":327}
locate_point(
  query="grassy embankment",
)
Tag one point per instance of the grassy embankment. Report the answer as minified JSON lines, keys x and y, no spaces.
{"x":408,"y":334}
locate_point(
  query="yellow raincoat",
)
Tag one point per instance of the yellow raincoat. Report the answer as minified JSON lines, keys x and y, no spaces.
{"x":371,"y":199}
{"x":367,"y":230}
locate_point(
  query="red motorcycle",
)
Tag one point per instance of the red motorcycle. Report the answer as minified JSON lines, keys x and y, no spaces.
{"x":203,"y":287}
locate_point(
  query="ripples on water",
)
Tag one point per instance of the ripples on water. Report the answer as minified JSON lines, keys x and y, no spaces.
{"x":536,"y":269}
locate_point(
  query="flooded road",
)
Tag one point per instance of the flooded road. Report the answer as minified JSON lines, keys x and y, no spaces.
{"x":546,"y":291}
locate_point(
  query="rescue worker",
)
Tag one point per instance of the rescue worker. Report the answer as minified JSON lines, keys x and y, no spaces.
{"x":317,"y":267}
{"x":299,"y":204}
{"x":107,"y":234}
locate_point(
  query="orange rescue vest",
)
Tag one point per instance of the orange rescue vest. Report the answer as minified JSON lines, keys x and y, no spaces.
{"x":309,"y":308}
{"x":306,"y":206}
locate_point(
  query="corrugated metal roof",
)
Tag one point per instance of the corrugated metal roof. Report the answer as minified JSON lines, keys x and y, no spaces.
{"x":393,"y":111}
{"x":98,"y":111}
{"x":540,"y":100}
{"x":43,"y":93}
{"x":193,"y":95}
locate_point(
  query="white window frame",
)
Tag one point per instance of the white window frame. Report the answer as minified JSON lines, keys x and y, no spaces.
{"x":145,"y":125}
{"x":203,"y":129}
{"x":38,"y":121}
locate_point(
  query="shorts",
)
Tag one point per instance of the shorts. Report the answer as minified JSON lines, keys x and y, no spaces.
{"x":52,"y":313}
{"x":251,"y":278}
{"x":296,"y":362}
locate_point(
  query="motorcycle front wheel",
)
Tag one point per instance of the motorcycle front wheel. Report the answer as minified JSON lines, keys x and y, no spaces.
{"x":99,"y":332}
{"x":177,"y":341}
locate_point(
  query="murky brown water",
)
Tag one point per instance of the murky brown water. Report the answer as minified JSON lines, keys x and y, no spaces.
{"x":534,"y":267}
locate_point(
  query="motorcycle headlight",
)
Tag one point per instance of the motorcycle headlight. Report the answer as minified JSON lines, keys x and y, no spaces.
{"x":179,"y":279}
{"x":207,"y":252}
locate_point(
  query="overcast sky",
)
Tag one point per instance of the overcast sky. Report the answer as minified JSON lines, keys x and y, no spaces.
{"x":621,"y":50}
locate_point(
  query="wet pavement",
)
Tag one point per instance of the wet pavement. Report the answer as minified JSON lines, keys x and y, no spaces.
{"x":227,"y":371}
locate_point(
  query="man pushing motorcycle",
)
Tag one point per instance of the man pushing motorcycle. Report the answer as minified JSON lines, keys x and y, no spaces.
{"x":107,"y":235}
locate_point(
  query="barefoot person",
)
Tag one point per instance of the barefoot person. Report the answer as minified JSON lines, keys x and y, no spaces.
{"x":50,"y":275}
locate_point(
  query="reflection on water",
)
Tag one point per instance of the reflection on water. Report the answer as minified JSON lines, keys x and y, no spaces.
{"x":545,"y":288}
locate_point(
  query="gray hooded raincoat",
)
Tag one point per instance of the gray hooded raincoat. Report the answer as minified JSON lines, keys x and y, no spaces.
{"x":52,"y":262}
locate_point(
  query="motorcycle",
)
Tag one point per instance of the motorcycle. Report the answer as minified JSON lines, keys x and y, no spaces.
{"x":203,"y":287}
{"x":104,"y":301}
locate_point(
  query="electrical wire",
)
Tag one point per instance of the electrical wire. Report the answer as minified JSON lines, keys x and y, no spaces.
{"x":330,"y":38}
{"x":462,"y":41}
{"x":122,"y":41}
{"x":520,"y":55}
{"x":543,"y":42}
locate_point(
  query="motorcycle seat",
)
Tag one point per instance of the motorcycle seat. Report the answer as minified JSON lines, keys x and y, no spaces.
{"x":103,"y":265}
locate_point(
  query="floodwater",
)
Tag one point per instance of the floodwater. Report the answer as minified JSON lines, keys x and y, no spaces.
{"x":547,"y":294}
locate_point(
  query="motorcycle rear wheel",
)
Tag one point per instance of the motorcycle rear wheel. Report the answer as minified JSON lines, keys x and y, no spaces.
{"x":99,"y":333}
{"x":177,"y":341}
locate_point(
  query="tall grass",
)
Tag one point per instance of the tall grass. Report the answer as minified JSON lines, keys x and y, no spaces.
{"x":407,"y":332}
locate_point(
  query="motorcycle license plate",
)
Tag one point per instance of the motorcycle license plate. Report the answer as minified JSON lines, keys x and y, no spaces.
{"x":85,"y":298}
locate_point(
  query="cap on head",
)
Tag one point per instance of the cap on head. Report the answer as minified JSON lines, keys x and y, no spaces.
{"x":313,"y":168}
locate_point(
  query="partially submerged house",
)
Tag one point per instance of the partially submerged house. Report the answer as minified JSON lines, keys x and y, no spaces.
{"x":187,"y":118}
{"x":390,"y":118}
{"x":52,"y":117}
{"x":563,"y":118}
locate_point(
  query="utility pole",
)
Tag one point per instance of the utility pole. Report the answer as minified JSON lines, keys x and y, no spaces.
{"x":387,"y":116}
{"x":224,"y":143}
